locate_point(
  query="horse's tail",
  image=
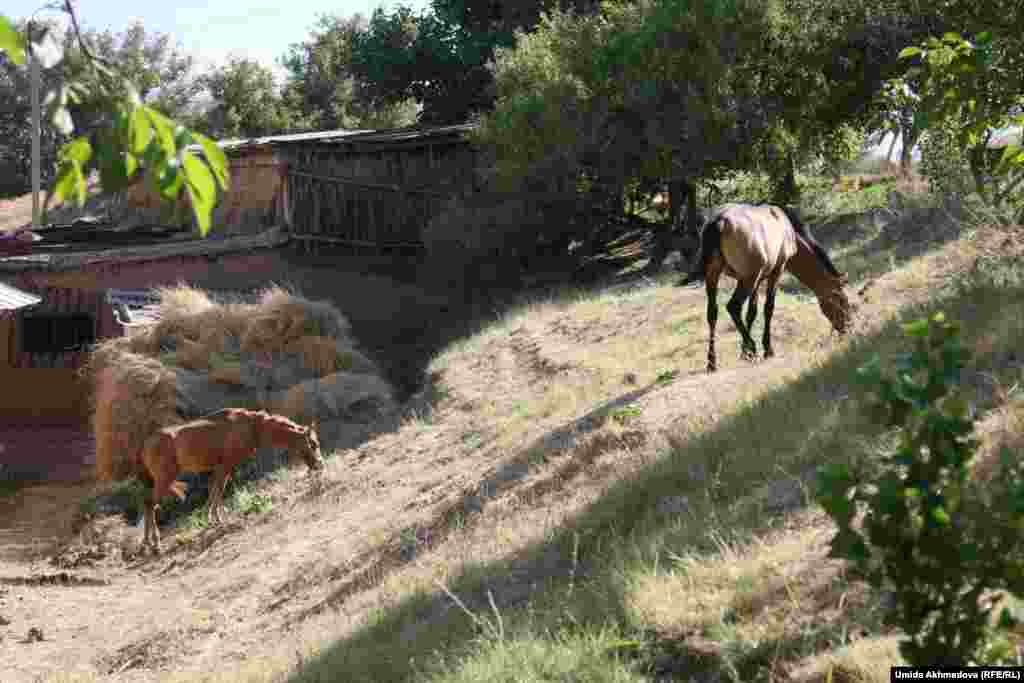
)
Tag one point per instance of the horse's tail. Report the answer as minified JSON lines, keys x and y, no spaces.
{"x":805,"y":232}
{"x":710,"y":241}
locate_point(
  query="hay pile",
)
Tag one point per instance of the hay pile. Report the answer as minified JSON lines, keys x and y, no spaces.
{"x":282,"y":353}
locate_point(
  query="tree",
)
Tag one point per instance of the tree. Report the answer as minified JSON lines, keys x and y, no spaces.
{"x":972,"y":88}
{"x":441,"y":57}
{"x":139,"y":137}
{"x":16,"y":117}
{"x":245,"y":100}
{"x":322,"y":91}
{"x":159,"y":72}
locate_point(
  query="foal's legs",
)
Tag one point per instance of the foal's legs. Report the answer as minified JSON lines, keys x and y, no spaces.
{"x":218,"y":482}
{"x":735,"y":307}
{"x":150,"y":535}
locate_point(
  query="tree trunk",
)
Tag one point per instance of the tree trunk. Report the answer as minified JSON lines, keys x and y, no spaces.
{"x":679,"y":191}
{"x":892,"y":145}
{"x":788,"y":191}
{"x":910,"y":138}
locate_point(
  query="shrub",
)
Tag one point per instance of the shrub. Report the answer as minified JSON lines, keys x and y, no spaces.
{"x":941,"y":542}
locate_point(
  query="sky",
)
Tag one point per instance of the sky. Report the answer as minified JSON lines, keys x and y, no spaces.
{"x":211,"y":31}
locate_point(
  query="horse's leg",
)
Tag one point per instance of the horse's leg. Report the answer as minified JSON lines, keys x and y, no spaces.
{"x":147,"y":515}
{"x":217,"y":483}
{"x":711,"y":286}
{"x":735,"y":308}
{"x":769,"y":308}
{"x":752,"y":316}
{"x":220,"y":496}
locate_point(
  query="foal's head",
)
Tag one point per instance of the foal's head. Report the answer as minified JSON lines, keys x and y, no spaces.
{"x":302,"y":442}
{"x":306,"y":446}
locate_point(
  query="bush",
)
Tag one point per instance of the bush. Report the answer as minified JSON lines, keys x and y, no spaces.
{"x":941,"y":542}
{"x":944,"y":162}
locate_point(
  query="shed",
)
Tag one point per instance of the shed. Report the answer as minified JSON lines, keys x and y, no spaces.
{"x":252,"y":201}
{"x":59,"y":301}
{"x":373,"y":189}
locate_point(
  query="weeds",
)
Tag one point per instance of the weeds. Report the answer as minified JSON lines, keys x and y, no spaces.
{"x":940,"y":544}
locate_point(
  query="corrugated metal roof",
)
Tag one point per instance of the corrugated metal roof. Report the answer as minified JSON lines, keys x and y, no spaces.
{"x":392,"y":135}
{"x":384,"y":136}
{"x":12,"y":298}
{"x":241,"y":143}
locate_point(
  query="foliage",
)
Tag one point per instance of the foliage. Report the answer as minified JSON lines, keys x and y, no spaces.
{"x":11,"y":41}
{"x":441,"y":66}
{"x":322,"y":91}
{"x":942,"y":543}
{"x":246,"y":103}
{"x":944,"y":162}
{"x":974,"y":87}
{"x":15,"y":123}
{"x":137,"y":137}
{"x":441,"y":57}
{"x":158,"y":72}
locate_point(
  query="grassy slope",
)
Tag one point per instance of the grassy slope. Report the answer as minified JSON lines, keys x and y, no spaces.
{"x":642,"y":521}
{"x":708,"y":558}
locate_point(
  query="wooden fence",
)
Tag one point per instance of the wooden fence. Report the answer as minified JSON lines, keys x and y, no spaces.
{"x":377,"y":190}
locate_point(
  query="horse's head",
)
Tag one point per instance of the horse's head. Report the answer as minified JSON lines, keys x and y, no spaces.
{"x":836,"y":306}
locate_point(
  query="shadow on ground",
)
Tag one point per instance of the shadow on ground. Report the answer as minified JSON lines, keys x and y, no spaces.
{"x":628,"y":524}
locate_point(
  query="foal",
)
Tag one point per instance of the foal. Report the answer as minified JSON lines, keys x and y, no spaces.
{"x":755,"y":244}
{"x":217,"y":443}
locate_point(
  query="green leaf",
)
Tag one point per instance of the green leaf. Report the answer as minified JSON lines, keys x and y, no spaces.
{"x":70,"y":182}
{"x":11,"y":41}
{"x":939,"y":515}
{"x":917,"y":328}
{"x":169,"y":178}
{"x":1012,"y":156}
{"x":182,"y":137}
{"x":910,"y":52}
{"x":78,"y":150}
{"x":201,"y":189}
{"x":215,"y":158}
{"x":163,"y":128}
{"x":140,"y":131}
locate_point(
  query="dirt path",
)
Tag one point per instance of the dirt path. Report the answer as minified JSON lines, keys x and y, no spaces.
{"x":219,"y":594}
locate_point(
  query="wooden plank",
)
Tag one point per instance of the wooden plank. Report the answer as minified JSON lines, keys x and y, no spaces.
{"x":327,"y":239}
{"x":363,"y":183}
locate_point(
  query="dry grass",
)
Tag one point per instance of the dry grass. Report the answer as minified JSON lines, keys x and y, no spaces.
{"x":133,"y":397}
{"x":632,"y":518}
{"x":135,"y":382}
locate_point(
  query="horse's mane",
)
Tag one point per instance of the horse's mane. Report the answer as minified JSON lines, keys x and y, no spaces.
{"x":261,"y":416}
{"x":805,"y":232}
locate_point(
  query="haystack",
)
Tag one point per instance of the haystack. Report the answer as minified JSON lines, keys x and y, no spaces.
{"x":343,"y":395}
{"x":283,"y":353}
{"x":326,"y":356}
{"x":133,"y":398}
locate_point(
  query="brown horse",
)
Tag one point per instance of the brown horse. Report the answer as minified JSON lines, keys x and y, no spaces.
{"x":217,"y":443}
{"x":755,"y":244}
